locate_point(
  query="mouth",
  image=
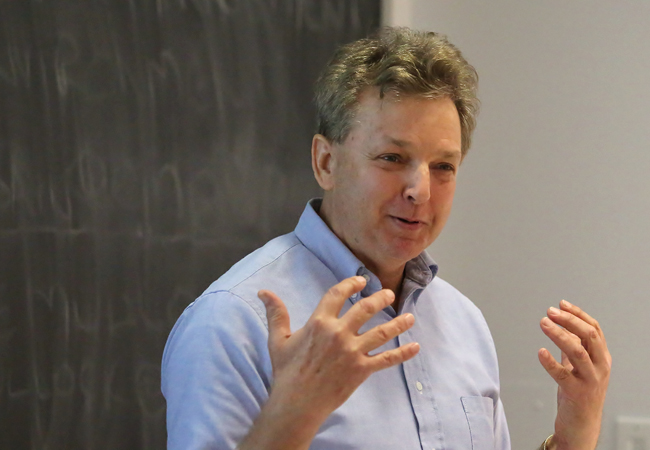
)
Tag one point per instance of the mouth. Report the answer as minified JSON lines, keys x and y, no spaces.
{"x":408,"y":222}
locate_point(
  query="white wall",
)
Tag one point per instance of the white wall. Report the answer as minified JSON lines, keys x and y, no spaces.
{"x":554,"y":198}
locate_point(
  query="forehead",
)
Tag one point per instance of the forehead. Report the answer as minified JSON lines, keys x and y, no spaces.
{"x":406,"y":118}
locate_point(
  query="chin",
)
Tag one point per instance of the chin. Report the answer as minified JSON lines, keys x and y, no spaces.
{"x":404,"y":253}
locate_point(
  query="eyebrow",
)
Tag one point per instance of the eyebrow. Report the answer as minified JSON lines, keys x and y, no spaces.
{"x":404,"y":144}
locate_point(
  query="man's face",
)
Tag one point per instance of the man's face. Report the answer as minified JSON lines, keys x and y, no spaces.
{"x":392,"y":181}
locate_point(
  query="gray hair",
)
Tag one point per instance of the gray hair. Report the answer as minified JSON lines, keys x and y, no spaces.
{"x":398,"y":60}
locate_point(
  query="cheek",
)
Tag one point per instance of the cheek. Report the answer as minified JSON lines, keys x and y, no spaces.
{"x":443,"y":196}
{"x":386,"y":185}
{"x":374,"y":188}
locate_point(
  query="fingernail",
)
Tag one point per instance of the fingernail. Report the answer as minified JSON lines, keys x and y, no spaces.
{"x":410,"y":320}
{"x":565,"y":304}
{"x":554,"y":311}
{"x":360,"y":279}
{"x":547,"y":322}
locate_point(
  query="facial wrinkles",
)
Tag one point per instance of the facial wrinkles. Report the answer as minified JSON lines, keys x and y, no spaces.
{"x":370,"y":195}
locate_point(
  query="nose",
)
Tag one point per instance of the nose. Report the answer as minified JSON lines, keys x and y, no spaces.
{"x":418,"y":186}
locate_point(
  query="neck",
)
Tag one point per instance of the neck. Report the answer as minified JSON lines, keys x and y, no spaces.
{"x":390,"y":276}
{"x":390,"y":279}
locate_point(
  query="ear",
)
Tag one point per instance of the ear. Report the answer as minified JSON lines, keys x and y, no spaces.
{"x":323,"y":161}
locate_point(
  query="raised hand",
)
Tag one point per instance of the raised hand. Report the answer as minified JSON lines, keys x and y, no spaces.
{"x":318,"y":367}
{"x":582,"y":376}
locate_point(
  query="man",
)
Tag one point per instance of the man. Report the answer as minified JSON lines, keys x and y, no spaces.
{"x":339,"y":335}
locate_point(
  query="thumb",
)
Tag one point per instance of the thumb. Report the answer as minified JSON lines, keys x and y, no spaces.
{"x":277,"y":317}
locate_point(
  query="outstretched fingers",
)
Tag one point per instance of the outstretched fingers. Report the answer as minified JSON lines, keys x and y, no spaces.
{"x":366,"y":308}
{"x":393,"y":357}
{"x":587,"y":330}
{"x":381,"y":334}
{"x":578,"y":312}
{"x":339,"y":337}
{"x":576,"y":353}
{"x":335,"y":297}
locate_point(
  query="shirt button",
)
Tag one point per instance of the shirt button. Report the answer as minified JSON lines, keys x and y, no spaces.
{"x":367,"y":277}
{"x":418,"y":385}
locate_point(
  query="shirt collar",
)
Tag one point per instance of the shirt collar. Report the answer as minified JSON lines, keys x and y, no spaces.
{"x":314,"y":233}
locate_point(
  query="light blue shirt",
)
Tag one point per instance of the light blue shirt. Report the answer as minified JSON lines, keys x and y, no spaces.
{"x":216,"y":371}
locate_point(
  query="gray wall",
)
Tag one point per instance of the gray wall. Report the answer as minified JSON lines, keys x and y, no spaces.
{"x":553,"y":200}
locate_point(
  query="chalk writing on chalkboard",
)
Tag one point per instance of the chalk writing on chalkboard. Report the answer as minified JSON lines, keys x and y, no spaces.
{"x":145,"y":146}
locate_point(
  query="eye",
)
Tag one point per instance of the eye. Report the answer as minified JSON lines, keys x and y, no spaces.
{"x":446,"y":167}
{"x":390,"y":158}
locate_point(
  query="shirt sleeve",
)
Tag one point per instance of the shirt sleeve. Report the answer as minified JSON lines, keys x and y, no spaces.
{"x":216,"y":373}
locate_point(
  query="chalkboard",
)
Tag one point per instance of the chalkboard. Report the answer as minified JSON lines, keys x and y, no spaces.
{"x":145,"y":146}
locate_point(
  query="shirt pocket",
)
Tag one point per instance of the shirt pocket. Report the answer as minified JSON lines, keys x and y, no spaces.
{"x":479,"y":412}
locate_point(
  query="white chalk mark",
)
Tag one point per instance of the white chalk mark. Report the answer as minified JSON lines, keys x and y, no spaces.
{"x":62,"y":211}
{"x":90,"y":323}
{"x":147,"y":380}
{"x":20,"y":65}
{"x":64,"y":380}
{"x":93,"y":174}
{"x":170,"y":172}
{"x":117,"y":325}
{"x":66,"y":51}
